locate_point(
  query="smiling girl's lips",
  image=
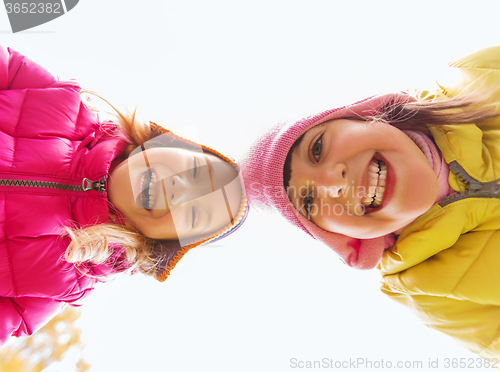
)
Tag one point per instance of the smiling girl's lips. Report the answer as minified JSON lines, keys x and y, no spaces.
{"x":143,"y":196}
{"x":389,"y":186}
{"x":147,"y":189}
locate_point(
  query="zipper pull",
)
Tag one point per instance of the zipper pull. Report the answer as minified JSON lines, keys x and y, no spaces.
{"x":470,"y":183}
{"x":488,"y":188}
{"x":99,"y":185}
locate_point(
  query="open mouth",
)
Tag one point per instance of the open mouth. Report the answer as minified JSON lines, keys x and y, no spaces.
{"x":147,"y":197}
{"x":377,"y":175}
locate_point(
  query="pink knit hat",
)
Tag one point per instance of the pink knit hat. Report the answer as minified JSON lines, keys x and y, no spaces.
{"x":262,"y":170}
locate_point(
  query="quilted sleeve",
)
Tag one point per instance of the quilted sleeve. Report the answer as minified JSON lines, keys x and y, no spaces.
{"x":25,"y":315}
{"x":475,"y":72}
{"x":19,"y":72}
{"x":456,"y":290}
{"x":474,"y":326}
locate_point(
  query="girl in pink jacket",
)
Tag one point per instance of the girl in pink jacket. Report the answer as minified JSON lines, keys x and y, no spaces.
{"x":81,"y":199}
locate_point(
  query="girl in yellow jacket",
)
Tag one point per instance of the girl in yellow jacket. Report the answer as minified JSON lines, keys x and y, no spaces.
{"x":410,"y":185}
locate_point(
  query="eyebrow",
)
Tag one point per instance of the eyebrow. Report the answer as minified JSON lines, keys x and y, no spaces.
{"x":222,"y":188}
{"x":210,"y":173}
{"x":208,"y":220}
{"x":298,"y":154}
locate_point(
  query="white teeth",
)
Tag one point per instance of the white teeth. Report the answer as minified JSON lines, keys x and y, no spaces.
{"x":367,"y":200}
{"x":152,"y":190}
{"x":141,"y":185}
{"x":377,"y":175}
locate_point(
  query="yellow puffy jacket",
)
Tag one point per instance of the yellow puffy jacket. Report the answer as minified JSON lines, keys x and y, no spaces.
{"x":446,"y":265}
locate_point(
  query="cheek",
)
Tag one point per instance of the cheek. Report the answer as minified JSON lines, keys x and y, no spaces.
{"x":334,"y":217}
{"x":117,"y":187}
{"x":158,"y":228}
{"x":422,"y":188}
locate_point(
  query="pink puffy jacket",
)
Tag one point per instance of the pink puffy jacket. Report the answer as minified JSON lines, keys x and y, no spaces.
{"x":47,"y":137}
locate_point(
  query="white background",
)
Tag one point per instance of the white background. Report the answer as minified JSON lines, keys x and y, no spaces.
{"x":267,"y":293}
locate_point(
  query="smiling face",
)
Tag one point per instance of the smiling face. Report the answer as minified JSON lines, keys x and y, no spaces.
{"x":360,"y":179}
{"x":174,"y":193}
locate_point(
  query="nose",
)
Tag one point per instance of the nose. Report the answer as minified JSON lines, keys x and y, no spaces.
{"x":211,"y":177}
{"x":332,"y":181}
{"x":177,"y":190}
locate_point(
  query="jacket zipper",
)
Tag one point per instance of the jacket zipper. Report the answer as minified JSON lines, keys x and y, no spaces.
{"x":86,"y":185}
{"x":473,"y":188}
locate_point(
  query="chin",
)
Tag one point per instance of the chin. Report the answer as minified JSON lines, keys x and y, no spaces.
{"x":368,"y":233}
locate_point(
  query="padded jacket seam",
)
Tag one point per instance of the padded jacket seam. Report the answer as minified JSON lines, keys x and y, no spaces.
{"x":15,"y":130}
{"x":9,"y":257}
{"x":473,"y":262}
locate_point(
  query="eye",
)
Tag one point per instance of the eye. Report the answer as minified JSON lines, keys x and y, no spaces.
{"x":195,"y":167}
{"x":308,"y":203}
{"x":193,"y":216}
{"x":316,"y":148}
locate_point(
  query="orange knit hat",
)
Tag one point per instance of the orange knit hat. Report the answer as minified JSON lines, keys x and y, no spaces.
{"x":175,"y":250}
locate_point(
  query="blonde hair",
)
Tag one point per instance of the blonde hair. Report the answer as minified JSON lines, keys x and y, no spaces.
{"x":97,"y":244}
